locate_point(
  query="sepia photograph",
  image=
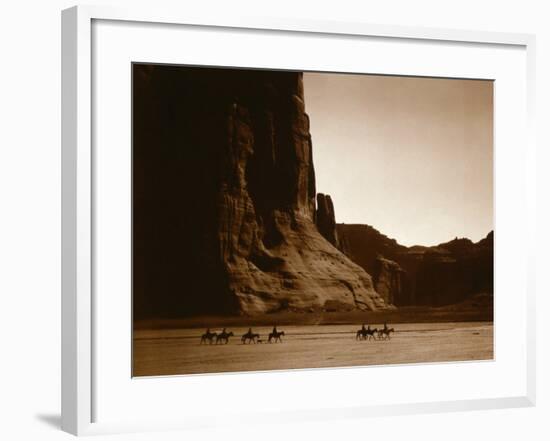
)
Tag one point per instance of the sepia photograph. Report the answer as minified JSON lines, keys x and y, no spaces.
{"x":298,"y":220}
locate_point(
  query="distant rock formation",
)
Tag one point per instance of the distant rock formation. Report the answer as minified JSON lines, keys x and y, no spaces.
{"x":389,"y":279}
{"x":447,"y":273}
{"x":225,"y":219}
{"x":326,"y":219}
{"x":452,"y":271}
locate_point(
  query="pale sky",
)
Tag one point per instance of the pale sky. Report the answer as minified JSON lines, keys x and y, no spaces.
{"x":413,"y":157}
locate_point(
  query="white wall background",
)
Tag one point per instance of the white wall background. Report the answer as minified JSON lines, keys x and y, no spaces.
{"x":30,"y":219}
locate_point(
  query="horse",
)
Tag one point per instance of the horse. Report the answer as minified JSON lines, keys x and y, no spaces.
{"x":223,"y":337}
{"x":250,"y":336}
{"x":371,"y":333}
{"x":364,"y":333}
{"x":385,"y":333}
{"x":361,"y":334}
{"x":208,"y":336}
{"x":276,"y":335}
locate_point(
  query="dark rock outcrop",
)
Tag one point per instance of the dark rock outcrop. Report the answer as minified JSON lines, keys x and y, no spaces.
{"x":455,"y":270}
{"x":363,"y":244}
{"x":326,"y":219}
{"x":224,"y":199}
{"x":447,"y":273}
{"x":389,"y":279}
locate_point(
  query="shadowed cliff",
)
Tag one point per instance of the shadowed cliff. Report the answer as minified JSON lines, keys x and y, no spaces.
{"x":431,"y":276}
{"x":224,"y":199}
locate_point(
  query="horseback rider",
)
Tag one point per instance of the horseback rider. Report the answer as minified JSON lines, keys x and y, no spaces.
{"x":249,"y":336}
{"x":363,"y":327}
{"x":274,"y":329}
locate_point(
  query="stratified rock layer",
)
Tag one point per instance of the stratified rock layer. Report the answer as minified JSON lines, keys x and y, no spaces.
{"x":224,"y":199}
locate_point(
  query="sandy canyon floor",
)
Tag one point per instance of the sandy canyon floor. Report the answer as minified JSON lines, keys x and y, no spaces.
{"x":178,"y":351}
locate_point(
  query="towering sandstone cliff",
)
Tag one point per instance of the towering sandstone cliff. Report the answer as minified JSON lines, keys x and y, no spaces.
{"x":225,"y":199}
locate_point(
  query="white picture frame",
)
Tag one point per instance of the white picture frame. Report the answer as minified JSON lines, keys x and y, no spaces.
{"x":78,"y":204}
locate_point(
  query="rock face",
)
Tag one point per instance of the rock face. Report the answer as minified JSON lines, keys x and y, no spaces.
{"x":445,"y":274}
{"x":389,"y":279}
{"x":326,"y":219}
{"x":453,"y":271}
{"x":224,"y":199}
{"x":377,"y":254}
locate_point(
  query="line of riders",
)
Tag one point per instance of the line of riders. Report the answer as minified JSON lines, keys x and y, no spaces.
{"x":368,"y":333}
{"x":249,"y":337}
{"x":365,"y":333}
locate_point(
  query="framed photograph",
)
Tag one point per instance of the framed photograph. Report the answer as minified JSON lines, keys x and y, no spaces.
{"x":293,"y":216}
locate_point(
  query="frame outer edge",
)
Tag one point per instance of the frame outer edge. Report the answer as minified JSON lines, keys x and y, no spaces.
{"x":76,"y":217}
{"x":76,"y":221}
{"x":281,"y":23}
{"x":69,"y":366}
{"x":531,"y":347}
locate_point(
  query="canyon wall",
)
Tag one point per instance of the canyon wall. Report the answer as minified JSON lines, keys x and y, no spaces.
{"x":431,"y":276}
{"x":224,"y":199}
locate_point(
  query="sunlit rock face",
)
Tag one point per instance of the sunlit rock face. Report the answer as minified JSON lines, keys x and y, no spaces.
{"x":225,"y":200}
